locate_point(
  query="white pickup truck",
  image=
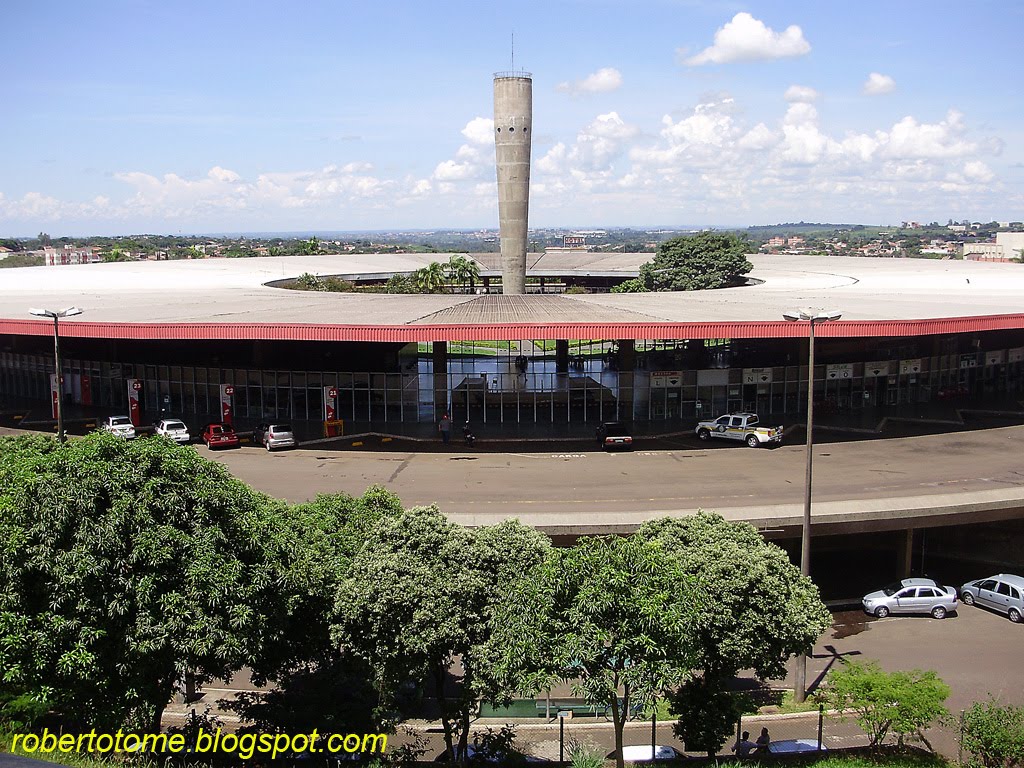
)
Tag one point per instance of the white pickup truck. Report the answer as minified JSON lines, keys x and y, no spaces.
{"x":739,"y":426}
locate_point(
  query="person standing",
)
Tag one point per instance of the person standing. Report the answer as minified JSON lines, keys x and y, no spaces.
{"x":445,"y":428}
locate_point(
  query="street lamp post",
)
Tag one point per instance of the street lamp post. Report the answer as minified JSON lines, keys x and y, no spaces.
{"x":57,"y":315}
{"x":811,"y":316}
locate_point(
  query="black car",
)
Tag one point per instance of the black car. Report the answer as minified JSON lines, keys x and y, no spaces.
{"x":614,"y":434}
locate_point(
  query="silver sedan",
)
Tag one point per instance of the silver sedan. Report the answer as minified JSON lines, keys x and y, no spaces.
{"x":911,"y":596}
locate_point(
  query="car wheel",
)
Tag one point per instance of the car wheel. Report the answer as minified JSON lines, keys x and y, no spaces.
{"x":753,"y":442}
{"x":703,"y":434}
{"x":938,"y":612}
{"x":881,"y":612}
{"x":967,"y":598}
{"x":266,"y":445}
{"x":1015,"y":616}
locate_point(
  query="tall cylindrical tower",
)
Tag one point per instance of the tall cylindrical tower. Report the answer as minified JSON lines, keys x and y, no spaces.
{"x":513,"y":126}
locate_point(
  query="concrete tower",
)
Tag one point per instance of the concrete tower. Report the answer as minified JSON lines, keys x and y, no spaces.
{"x":513,"y":126}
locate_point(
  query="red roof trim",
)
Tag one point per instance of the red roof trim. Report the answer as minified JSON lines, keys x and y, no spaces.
{"x":776,"y":329}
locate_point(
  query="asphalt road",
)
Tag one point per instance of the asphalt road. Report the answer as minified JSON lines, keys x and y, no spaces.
{"x":584,"y":485}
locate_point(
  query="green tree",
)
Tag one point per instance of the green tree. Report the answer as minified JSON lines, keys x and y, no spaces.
{"x":400,"y":284}
{"x":610,"y":614}
{"x":124,"y":568}
{"x":430,"y":279}
{"x":694,"y":263}
{"x":994,"y":734}
{"x":310,"y":247}
{"x":462,"y":271}
{"x":902,"y":703}
{"x":115,"y":254}
{"x":319,"y":542}
{"x":307,"y":281}
{"x":421,"y":593}
{"x":763,"y":612}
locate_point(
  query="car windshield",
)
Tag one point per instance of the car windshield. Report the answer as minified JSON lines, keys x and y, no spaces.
{"x":277,"y":428}
{"x":892,"y":589}
{"x":120,"y":421}
{"x":615,"y":430}
{"x":173,"y":425}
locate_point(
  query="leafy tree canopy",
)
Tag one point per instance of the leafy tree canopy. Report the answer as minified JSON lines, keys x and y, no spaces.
{"x":611,"y":614}
{"x":124,"y":567}
{"x":694,"y":263}
{"x":421,"y":593}
{"x":762,"y":610}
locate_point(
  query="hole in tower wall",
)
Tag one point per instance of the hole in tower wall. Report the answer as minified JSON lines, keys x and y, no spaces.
{"x":512,"y":129}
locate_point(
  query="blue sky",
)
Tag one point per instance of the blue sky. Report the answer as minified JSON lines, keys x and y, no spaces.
{"x":129,"y":116}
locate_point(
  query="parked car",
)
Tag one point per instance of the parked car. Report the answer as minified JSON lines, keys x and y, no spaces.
{"x":175,"y":429}
{"x":789,"y":746}
{"x":220,"y":435}
{"x":614,"y":434}
{"x":641,"y":753}
{"x":1003,"y":592}
{"x":272,"y":436}
{"x":911,"y":596}
{"x":121,"y":426}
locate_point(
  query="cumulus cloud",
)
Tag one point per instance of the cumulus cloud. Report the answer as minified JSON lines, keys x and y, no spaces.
{"x":479,"y":130}
{"x":877,"y":84}
{"x":603,"y":80}
{"x":801,"y":93}
{"x":745,"y":38}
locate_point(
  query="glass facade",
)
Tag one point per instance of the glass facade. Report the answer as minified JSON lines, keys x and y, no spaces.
{"x":532,"y":381}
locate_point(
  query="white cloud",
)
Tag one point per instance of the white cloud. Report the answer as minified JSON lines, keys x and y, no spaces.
{"x":745,"y":38}
{"x":976,"y":170}
{"x":450,"y":170}
{"x":479,"y":130}
{"x":758,"y":138}
{"x":603,"y":80}
{"x":801,"y":93}
{"x":877,"y":84}
{"x":909,"y":138}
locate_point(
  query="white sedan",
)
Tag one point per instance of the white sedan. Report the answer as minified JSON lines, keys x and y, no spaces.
{"x":120,"y":426}
{"x":174,"y":429}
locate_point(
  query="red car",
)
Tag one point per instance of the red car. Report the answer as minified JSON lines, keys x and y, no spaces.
{"x":219,"y":435}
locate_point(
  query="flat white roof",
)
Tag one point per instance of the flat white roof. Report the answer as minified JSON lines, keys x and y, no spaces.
{"x":234,"y":291}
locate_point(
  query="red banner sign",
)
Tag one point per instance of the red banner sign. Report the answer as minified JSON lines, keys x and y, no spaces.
{"x":134,"y":412}
{"x":330,"y":403}
{"x":226,"y":413}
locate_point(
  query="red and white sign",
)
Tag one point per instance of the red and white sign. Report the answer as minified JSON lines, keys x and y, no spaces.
{"x":330,"y":403}
{"x":134,"y":413}
{"x":54,"y":392}
{"x":226,"y":393}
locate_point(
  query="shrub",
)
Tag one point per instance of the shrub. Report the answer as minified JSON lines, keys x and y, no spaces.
{"x":903,"y":703}
{"x":994,"y":734}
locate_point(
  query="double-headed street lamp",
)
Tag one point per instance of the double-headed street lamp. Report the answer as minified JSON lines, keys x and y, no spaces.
{"x":811,"y":316}
{"x":57,"y":315}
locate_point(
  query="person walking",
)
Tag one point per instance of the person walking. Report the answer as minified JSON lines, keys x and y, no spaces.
{"x":445,"y":428}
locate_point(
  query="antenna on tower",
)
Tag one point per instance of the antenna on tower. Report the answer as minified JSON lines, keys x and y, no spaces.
{"x":513,"y":66}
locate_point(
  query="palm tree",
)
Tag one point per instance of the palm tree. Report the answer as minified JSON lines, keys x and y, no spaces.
{"x":431,"y":278}
{"x":311,"y":247}
{"x":463,"y":270}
